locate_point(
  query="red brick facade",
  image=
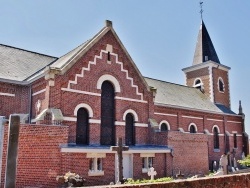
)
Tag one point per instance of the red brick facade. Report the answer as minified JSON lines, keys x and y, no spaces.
{"x":78,"y":85}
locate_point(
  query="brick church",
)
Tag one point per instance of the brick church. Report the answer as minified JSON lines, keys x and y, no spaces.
{"x":73,"y":108}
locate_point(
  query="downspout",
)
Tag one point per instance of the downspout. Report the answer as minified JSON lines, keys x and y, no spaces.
{"x":30,"y":103}
{"x":225,"y":136}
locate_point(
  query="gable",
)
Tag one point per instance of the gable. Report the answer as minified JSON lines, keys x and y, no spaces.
{"x":106,"y":60}
{"x":104,"y":57}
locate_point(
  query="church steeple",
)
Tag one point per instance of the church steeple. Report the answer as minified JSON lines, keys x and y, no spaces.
{"x":204,"y":50}
{"x":206,"y":72}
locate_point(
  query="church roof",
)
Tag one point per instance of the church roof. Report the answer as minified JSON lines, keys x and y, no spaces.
{"x":204,"y":50}
{"x":182,"y":96}
{"x":18,"y":64}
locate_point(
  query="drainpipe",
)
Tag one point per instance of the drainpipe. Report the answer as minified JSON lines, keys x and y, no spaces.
{"x":30,"y":103}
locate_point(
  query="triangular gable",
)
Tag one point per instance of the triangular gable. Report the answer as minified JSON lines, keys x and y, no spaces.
{"x":67,"y":61}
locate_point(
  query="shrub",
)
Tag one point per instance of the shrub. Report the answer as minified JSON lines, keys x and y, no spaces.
{"x":71,"y":179}
{"x":131,"y":181}
{"x":245,"y":161}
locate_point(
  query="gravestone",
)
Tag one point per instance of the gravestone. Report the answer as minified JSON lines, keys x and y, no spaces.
{"x":224,"y":163}
{"x":219,"y":172}
{"x":152,"y":173}
{"x":179,"y":175}
{"x":214,"y":166}
{"x":119,"y":148}
{"x":10,"y":173}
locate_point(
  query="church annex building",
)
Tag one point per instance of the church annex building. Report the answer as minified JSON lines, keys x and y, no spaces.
{"x":73,"y":108}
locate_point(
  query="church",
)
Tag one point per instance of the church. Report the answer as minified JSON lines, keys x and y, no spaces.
{"x":75,"y":107}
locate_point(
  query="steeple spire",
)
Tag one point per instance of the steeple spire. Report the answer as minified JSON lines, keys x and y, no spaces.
{"x":204,"y":50}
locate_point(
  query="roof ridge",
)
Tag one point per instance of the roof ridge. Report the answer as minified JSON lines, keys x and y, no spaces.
{"x":169,"y":82}
{"x":27,"y":50}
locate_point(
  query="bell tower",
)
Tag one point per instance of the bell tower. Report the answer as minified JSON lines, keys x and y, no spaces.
{"x":206,"y":72}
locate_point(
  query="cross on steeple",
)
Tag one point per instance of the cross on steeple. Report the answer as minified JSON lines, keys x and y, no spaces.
{"x":201,"y":11}
{"x":119,"y":148}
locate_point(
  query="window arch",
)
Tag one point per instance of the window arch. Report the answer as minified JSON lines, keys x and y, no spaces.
{"x":107,"y":114}
{"x":82,"y":126}
{"x":198,"y":83}
{"x":132,"y":112}
{"x":164,"y":126}
{"x":129,"y":129}
{"x":192,"y":128}
{"x":86,"y":106}
{"x":221,"y":85}
{"x":216,"y":137}
{"x":111,"y":79}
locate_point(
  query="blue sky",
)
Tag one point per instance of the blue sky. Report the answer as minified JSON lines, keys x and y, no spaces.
{"x":159,"y":35}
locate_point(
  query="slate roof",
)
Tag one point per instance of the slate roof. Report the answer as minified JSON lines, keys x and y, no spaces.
{"x":204,"y":47}
{"x":181,"y":96}
{"x":18,"y":64}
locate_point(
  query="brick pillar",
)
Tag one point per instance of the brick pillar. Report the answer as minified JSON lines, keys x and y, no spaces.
{"x":1,"y":143}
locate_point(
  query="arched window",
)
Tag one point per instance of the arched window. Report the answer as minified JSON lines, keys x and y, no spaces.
{"x":227,"y":135}
{"x":164,"y":127}
{"x":198,"y":83}
{"x":82,"y":126}
{"x":107,"y":114}
{"x":216,"y":138}
{"x":192,"y":129}
{"x":221,"y":85}
{"x":130,"y":130}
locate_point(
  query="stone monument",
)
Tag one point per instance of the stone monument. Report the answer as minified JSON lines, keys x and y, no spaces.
{"x":12,"y":148}
{"x":224,"y":163}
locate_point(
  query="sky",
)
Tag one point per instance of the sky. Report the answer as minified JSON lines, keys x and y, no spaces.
{"x":160,"y":35}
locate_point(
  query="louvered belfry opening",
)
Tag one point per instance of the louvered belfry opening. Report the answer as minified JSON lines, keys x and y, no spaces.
{"x":82,"y":127}
{"x":107,"y":114}
{"x":130,"y":130}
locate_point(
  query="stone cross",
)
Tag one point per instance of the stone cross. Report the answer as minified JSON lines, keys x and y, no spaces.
{"x":152,"y":173}
{"x":10,"y":173}
{"x":119,"y":148}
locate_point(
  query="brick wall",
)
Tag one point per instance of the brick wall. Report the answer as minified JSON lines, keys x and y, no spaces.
{"x":39,"y":157}
{"x":228,"y":181}
{"x":203,"y":75}
{"x":221,"y":97}
{"x":190,"y":154}
{"x":14,"y":104}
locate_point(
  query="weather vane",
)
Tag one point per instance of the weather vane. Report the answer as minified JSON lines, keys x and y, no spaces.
{"x":201,"y":11}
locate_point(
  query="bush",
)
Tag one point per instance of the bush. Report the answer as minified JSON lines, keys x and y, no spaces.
{"x":245,"y":162}
{"x":71,"y":179}
{"x":131,"y":181}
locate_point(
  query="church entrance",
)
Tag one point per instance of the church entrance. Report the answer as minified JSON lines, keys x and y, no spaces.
{"x":127,"y":166}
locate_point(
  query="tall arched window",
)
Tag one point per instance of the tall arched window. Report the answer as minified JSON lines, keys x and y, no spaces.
{"x":130,"y":130}
{"x":164,"y":127}
{"x":82,"y":126}
{"x":216,"y":138}
{"x":227,"y":141}
{"x":192,"y":129}
{"x":107,"y":114}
